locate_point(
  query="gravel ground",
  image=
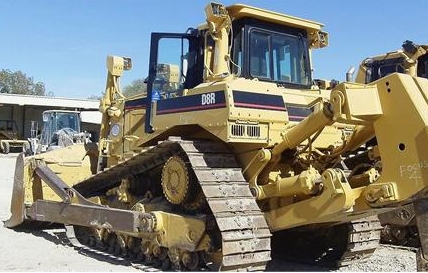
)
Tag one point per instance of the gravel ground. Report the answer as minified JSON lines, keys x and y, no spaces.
{"x":46,"y":250}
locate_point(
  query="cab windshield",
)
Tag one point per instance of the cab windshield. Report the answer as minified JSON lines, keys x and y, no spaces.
{"x":278,"y":57}
{"x":66,"y":120}
{"x":272,"y":53}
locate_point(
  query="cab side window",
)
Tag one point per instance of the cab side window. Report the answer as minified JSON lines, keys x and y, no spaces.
{"x":171,"y":68}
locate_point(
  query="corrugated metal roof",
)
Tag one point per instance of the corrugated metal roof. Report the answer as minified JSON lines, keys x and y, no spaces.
{"x":48,"y":101}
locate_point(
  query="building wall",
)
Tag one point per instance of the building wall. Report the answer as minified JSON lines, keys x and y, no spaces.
{"x":23,"y":115}
{"x":10,"y":113}
{"x":6,"y":112}
{"x":29,"y":114}
{"x":92,"y":128}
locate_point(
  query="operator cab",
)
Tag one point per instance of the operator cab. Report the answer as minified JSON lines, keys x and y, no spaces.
{"x":258,"y":45}
{"x":54,"y":121}
{"x":377,"y":69}
{"x":423,"y":66}
{"x":271,"y":53}
{"x":263,"y":45}
{"x":401,"y":61}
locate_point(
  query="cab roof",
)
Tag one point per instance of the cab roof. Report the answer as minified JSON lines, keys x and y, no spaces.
{"x":312,"y":28}
{"x":238,"y":11}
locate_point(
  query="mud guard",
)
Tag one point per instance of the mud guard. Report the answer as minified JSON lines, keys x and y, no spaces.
{"x":17,"y":205}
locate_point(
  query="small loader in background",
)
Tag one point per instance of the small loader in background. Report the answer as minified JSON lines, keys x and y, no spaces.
{"x":61,"y":128}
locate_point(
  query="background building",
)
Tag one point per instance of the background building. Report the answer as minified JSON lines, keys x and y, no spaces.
{"x":22,"y":109}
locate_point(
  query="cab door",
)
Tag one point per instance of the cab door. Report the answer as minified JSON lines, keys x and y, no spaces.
{"x":176,"y":63}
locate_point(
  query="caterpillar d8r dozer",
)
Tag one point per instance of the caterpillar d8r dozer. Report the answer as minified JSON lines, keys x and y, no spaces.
{"x":232,"y":148}
{"x":400,"y":226}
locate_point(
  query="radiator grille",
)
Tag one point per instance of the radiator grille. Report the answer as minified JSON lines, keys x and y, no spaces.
{"x":242,"y":130}
{"x":238,"y":130}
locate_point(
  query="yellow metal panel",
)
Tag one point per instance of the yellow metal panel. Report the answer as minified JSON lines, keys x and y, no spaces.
{"x":239,"y":11}
{"x":402,"y":134}
{"x":317,"y":38}
{"x":365,"y":102}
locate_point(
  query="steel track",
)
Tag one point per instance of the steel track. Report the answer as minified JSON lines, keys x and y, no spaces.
{"x":245,"y":236}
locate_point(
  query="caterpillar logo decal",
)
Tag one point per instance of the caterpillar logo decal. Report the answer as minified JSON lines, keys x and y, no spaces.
{"x":205,"y":101}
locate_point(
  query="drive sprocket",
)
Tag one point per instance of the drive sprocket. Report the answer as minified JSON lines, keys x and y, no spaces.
{"x":175,"y":180}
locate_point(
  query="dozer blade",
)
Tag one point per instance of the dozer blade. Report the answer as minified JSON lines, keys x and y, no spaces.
{"x":17,"y":203}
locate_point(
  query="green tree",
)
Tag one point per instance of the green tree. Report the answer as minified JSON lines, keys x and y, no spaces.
{"x":19,"y":83}
{"x":95,"y":97}
{"x":136,"y":87}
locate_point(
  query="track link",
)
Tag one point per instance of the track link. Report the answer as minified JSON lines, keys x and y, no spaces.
{"x":242,"y":236}
{"x":332,"y":246}
{"x":71,"y":236}
{"x":363,"y":239}
{"x":243,"y":231}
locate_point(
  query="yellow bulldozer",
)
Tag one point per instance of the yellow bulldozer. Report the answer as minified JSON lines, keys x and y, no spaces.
{"x":399,"y":226}
{"x":234,"y":155}
{"x":411,"y":59}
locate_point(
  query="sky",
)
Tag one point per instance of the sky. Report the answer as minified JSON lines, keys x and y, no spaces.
{"x":64,"y":43}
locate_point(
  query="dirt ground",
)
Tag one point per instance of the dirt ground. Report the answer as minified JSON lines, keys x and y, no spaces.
{"x":48,"y":250}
